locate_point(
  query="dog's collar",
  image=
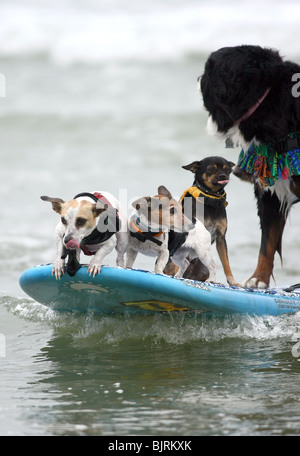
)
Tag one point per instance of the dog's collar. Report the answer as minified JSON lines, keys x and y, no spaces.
{"x":253,"y":108}
{"x":270,"y":162}
{"x":143,"y":232}
{"x":206,"y":196}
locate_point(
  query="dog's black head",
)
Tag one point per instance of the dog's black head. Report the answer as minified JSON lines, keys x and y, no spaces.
{"x":212,"y":172}
{"x":234,"y":79}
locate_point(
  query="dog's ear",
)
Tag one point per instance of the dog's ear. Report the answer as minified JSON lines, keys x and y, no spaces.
{"x":107,"y":212}
{"x":163,"y":191}
{"x":142,"y":203}
{"x":193,"y":167}
{"x":56,"y":203}
{"x":98,"y":208}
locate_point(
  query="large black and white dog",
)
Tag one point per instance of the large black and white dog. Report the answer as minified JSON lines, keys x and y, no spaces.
{"x":252,"y":98}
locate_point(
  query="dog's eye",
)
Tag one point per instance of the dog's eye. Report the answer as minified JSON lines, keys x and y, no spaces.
{"x":63,"y":221}
{"x":173,"y":210}
{"x":211,"y":169}
{"x":80,"y":221}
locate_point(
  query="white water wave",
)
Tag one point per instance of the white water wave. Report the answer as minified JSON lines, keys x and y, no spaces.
{"x":95,"y":32}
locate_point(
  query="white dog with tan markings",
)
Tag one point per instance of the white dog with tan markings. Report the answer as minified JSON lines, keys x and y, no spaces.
{"x":93,"y":223}
{"x":159,"y":228}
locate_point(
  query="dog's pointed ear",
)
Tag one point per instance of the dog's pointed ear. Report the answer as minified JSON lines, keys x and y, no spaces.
{"x":142,"y":203}
{"x":56,"y":203}
{"x":193,"y":167}
{"x":163,"y":191}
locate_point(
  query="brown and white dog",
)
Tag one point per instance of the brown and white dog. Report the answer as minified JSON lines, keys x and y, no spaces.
{"x":93,"y":223}
{"x":159,"y":228}
{"x":252,"y":99}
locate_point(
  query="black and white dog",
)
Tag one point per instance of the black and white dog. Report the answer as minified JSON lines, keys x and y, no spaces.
{"x":252,"y":97}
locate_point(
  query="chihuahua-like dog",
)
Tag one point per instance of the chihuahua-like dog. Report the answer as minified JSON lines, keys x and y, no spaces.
{"x":93,"y":223}
{"x":212,"y":174}
{"x":159,"y":228}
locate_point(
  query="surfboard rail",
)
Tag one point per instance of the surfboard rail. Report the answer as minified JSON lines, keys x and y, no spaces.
{"x":119,"y":291}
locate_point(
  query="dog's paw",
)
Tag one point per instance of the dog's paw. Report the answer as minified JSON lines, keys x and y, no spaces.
{"x":232,"y":282}
{"x":253,"y":282}
{"x":120,"y":262}
{"x":94,"y":269}
{"x":58,"y":268}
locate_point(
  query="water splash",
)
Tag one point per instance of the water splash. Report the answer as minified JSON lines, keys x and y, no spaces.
{"x":174,"y":329}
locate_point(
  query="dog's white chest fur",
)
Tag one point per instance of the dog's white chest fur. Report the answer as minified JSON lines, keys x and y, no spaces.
{"x":234,"y":133}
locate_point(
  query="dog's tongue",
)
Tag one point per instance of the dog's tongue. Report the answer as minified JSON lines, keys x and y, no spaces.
{"x":223,"y":182}
{"x":72,"y":244}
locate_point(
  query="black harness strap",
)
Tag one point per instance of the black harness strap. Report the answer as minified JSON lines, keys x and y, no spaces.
{"x":85,"y":194}
{"x":143,"y":232}
{"x":176,"y":240}
{"x":292,"y":288}
{"x":72,"y":264}
{"x":143,"y":237}
{"x":96,"y":236}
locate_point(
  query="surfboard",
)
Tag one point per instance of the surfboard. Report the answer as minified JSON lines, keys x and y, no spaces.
{"x":123,"y":291}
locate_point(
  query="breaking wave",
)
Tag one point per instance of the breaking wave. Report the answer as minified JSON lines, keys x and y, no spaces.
{"x":91,"y":32}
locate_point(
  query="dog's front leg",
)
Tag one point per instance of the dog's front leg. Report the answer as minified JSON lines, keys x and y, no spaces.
{"x":272,"y":214}
{"x":130,"y":257}
{"x":59,"y":264}
{"x":184,"y":264}
{"x":161,"y":261}
{"x":181,"y":261}
{"x":121,"y":247}
{"x":96,"y":263}
{"x":223,"y":254}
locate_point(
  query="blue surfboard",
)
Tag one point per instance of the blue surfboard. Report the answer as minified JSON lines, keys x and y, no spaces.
{"x":121,"y":291}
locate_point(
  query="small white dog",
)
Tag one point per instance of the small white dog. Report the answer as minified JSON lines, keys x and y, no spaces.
{"x":92,"y":222}
{"x":197,"y":244}
{"x":159,"y":228}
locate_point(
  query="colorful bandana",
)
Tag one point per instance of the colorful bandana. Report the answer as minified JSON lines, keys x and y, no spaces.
{"x":268,"y":165}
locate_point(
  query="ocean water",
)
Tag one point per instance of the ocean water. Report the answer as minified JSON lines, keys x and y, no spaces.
{"x":102,"y":95}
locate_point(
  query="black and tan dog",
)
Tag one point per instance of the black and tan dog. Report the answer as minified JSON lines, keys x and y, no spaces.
{"x":206,"y":199}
